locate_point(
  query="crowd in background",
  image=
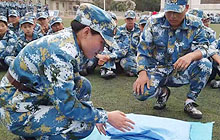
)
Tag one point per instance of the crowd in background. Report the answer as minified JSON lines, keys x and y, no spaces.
{"x":22,"y":23}
{"x":22,"y":7}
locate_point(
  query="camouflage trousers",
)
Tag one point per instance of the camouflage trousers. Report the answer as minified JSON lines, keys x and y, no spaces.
{"x":196,"y":75}
{"x":129,"y":64}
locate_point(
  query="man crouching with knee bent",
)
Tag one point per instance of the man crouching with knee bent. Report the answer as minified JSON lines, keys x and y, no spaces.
{"x":172,"y":53}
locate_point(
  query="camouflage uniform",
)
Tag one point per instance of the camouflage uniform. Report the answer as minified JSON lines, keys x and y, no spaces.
{"x":211,"y":36}
{"x":128,"y":41}
{"x":4,"y":9}
{"x":8,"y":42}
{"x":52,"y":22}
{"x":160,"y":48}
{"x":22,"y":41}
{"x":43,"y":15}
{"x":15,"y":29}
{"x":125,"y":51}
{"x":55,"y":103}
{"x":37,"y":27}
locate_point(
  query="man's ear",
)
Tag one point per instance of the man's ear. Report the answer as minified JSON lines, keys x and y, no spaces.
{"x":86,"y":31}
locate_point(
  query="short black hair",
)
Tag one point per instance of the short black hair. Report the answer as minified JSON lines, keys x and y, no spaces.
{"x":77,"y":26}
{"x":4,"y":22}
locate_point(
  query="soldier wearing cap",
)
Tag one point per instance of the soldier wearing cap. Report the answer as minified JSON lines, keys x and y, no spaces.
{"x":173,"y":52}
{"x":213,"y":51}
{"x":30,"y":7}
{"x":43,"y":91}
{"x":143,"y":21}
{"x":27,"y":33}
{"x":43,"y":20}
{"x":56,"y":24}
{"x":13,"y":19}
{"x":130,"y":31}
{"x":37,"y":26}
{"x":127,"y":37}
{"x":113,"y":15}
{"x":106,"y":59}
{"x":8,"y":40}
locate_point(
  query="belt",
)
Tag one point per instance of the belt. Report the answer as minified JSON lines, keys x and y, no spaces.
{"x":18,"y":85}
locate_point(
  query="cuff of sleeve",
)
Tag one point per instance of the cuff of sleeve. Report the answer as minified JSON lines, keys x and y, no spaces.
{"x":141,"y":68}
{"x":102,"y":115}
{"x":204,"y":52}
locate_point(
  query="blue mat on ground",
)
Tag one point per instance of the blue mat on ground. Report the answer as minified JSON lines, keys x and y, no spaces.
{"x":157,"y":128}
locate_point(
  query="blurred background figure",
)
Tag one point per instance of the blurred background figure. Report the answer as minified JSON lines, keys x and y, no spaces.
{"x":13,"y":20}
{"x":43,"y":20}
{"x":7,"y":43}
{"x":143,"y":21}
{"x":56,"y":24}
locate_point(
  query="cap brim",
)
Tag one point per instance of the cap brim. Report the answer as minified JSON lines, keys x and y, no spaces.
{"x":13,"y":15}
{"x":174,"y":8}
{"x":55,"y":22}
{"x":129,"y":17}
{"x":142,"y":22}
{"x":42,"y":17}
{"x":109,"y":40}
{"x":27,"y":22}
{"x":4,"y":21}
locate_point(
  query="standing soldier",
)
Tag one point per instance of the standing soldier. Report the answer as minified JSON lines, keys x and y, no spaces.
{"x":39,"y":7}
{"x":30,"y":7}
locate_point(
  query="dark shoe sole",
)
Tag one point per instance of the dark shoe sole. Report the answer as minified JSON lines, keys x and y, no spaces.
{"x":159,"y":108}
{"x":108,"y":77}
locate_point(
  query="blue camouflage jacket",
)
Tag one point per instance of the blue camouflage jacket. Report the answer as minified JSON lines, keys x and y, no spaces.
{"x":22,"y":41}
{"x":161,"y":45}
{"x":128,"y":41}
{"x":49,"y":65}
{"x":9,"y":41}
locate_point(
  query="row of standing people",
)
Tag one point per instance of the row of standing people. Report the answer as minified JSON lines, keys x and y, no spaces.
{"x":22,"y":7}
{"x":17,"y":32}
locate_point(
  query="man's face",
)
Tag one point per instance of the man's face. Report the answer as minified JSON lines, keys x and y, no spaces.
{"x":28,"y":29}
{"x":175,"y":19}
{"x":130,"y":23}
{"x":13,"y":19}
{"x":206,"y":22}
{"x":57,"y":27}
{"x":3,"y":28}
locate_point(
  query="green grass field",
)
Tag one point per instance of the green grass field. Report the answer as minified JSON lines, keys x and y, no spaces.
{"x":116,"y":94}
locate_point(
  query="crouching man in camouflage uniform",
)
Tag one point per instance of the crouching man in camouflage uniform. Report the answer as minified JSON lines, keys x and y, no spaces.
{"x":43,"y":96}
{"x":173,"y":53}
